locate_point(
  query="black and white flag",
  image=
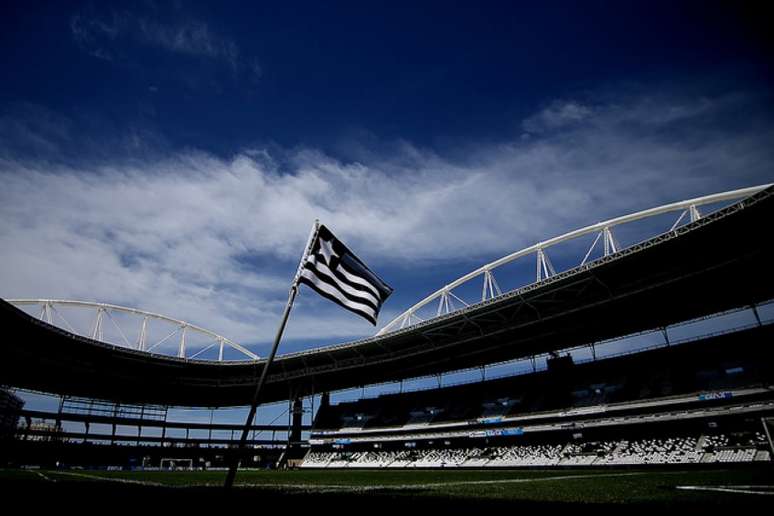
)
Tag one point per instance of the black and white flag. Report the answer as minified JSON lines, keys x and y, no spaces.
{"x":334,"y":272}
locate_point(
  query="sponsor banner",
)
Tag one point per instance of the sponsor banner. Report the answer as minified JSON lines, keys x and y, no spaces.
{"x":706,"y":396}
{"x":497,"y":433}
{"x":490,"y":420}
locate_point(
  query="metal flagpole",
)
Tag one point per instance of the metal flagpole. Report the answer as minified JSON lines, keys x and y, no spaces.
{"x":259,"y":386}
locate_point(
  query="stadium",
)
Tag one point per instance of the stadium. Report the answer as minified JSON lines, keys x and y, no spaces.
{"x":686,"y":416}
{"x":423,"y":257}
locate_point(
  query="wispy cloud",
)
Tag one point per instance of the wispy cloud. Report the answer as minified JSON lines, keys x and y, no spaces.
{"x":193,"y":38}
{"x":559,"y":114}
{"x":183,"y":235}
{"x":94,"y":36}
{"x":100,"y":37}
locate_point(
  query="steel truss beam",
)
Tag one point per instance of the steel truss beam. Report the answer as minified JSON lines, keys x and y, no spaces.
{"x":544,"y":268}
{"x":49,"y":307}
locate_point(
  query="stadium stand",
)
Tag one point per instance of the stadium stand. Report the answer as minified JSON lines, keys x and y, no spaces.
{"x":671,"y":450}
{"x":696,"y":403}
{"x":704,"y":371}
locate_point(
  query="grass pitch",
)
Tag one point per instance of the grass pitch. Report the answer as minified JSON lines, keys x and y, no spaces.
{"x":438,"y":489}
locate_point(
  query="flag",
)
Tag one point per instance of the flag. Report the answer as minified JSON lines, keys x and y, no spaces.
{"x":334,"y":272}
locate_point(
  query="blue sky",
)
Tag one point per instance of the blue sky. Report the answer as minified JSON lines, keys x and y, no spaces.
{"x":172,"y":156}
{"x":224,"y":76}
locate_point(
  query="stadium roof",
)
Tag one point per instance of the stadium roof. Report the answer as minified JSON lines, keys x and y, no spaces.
{"x":717,"y":262}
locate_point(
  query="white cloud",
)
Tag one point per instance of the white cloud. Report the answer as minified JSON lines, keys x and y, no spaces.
{"x":176,"y":235}
{"x":559,"y":114}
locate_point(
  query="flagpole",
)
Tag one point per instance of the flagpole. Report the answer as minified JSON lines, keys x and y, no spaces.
{"x":232,"y":470}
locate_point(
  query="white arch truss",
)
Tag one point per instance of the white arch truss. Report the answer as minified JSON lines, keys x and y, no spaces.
{"x":103,"y":314}
{"x":449,"y":302}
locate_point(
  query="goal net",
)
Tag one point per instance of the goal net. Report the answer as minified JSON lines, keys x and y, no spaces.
{"x":177,"y":464}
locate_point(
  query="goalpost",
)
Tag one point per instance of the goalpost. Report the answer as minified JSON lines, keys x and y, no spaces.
{"x":176,"y":464}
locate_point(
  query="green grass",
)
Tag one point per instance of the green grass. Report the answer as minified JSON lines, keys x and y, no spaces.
{"x":581,"y":486}
{"x":352,"y":478}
